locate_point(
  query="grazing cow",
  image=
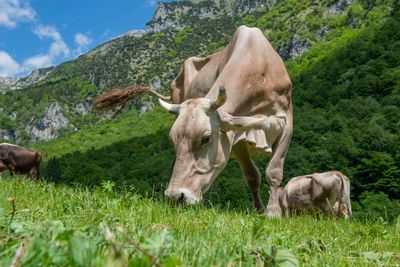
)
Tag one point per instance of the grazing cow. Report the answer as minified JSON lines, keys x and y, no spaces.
{"x":233,"y":103}
{"x":328,"y":191}
{"x":19,"y":160}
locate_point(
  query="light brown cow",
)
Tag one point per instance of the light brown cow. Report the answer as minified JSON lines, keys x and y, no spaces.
{"x":233,"y":103}
{"x":19,"y":160}
{"x":328,"y":191}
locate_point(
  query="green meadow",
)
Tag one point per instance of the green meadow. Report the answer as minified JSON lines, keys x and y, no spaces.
{"x":73,"y":226}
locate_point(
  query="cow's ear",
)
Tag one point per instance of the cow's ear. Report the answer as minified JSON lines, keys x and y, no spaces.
{"x":240,"y":123}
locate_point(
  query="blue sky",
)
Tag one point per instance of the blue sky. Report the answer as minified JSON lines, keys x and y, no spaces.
{"x":42,"y":33}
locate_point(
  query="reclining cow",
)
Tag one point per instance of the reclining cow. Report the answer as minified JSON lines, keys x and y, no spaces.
{"x":328,"y":192}
{"x":233,"y":103}
{"x":19,"y":160}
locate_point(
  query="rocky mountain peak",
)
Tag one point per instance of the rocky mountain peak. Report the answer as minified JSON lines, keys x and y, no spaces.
{"x":175,"y":14}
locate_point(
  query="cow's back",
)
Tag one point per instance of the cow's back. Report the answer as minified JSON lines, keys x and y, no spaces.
{"x":327,"y":185}
{"x":253,"y":74}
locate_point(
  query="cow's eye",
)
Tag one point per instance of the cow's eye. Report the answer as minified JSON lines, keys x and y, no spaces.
{"x":206,"y":139}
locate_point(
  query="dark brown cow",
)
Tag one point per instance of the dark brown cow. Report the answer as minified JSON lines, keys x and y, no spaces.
{"x":19,"y":160}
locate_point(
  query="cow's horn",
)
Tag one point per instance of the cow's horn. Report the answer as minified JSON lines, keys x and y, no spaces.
{"x":221,"y":98}
{"x":173,"y":108}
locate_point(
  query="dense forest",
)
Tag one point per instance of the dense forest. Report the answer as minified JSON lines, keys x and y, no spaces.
{"x":346,"y":93}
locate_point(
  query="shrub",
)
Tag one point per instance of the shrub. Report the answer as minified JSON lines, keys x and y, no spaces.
{"x":377,"y":206}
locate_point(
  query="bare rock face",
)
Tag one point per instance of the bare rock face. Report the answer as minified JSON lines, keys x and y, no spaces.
{"x":173,"y":15}
{"x":8,"y":134}
{"x":339,"y":6}
{"x":164,"y":17}
{"x":295,"y":48}
{"x":83,"y":108}
{"x":13,"y":115}
{"x":49,"y":125}
{"x":299,"y":46}
{"x":132,"y":33}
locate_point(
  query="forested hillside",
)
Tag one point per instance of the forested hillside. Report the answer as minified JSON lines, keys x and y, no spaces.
{"x":344,"y":62}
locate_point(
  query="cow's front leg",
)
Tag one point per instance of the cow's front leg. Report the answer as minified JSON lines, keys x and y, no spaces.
{"x":34,"y":173}
{"x":274,"y":176}
{"x":11,"y":169}
{"x":250,"y":173}
{"x":274,"y":170}
{"x":2,"y":168}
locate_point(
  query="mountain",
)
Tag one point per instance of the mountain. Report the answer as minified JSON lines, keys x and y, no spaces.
{"x":153,"y":57}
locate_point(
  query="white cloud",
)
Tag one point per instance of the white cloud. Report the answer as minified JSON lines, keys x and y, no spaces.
{"x":152,"y":2}
{"x":8,"y":66}
{"x":82,"y":41}
{"x":47,"y":31}
{"x":14,"y":11}
{"x":105,"y":34}
{"x":58,"y":49}
{"x":38,"y":61}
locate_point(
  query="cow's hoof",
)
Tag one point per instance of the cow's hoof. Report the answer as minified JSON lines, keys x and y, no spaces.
{"x":274,"y":211}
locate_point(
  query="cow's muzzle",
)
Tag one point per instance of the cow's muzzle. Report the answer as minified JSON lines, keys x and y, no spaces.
{"x":181,"y":195}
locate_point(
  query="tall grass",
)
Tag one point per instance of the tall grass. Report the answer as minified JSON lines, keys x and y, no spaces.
{"x":70,"y":226}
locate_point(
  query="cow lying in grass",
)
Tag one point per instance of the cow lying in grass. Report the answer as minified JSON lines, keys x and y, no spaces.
{"x":19,"y":160}
{"x":328,"y":192}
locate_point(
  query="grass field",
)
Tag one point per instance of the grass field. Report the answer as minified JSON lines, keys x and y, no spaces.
{"x":71,"y":226}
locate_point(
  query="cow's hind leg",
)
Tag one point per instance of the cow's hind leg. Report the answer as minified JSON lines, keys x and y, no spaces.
{"x":11,"y":169}
{"x":250,"y":172}
{"x":326,"y":207}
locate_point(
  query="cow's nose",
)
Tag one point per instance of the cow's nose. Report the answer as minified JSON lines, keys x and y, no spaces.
{"x":181,"y":195}
{"x":176,"y":196}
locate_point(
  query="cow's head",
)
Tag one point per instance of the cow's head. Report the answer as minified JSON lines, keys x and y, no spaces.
{"x":201,"y":144}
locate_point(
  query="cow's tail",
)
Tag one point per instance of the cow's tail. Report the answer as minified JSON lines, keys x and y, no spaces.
{"x":346,"y":194}
{"x":120,"y":96}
